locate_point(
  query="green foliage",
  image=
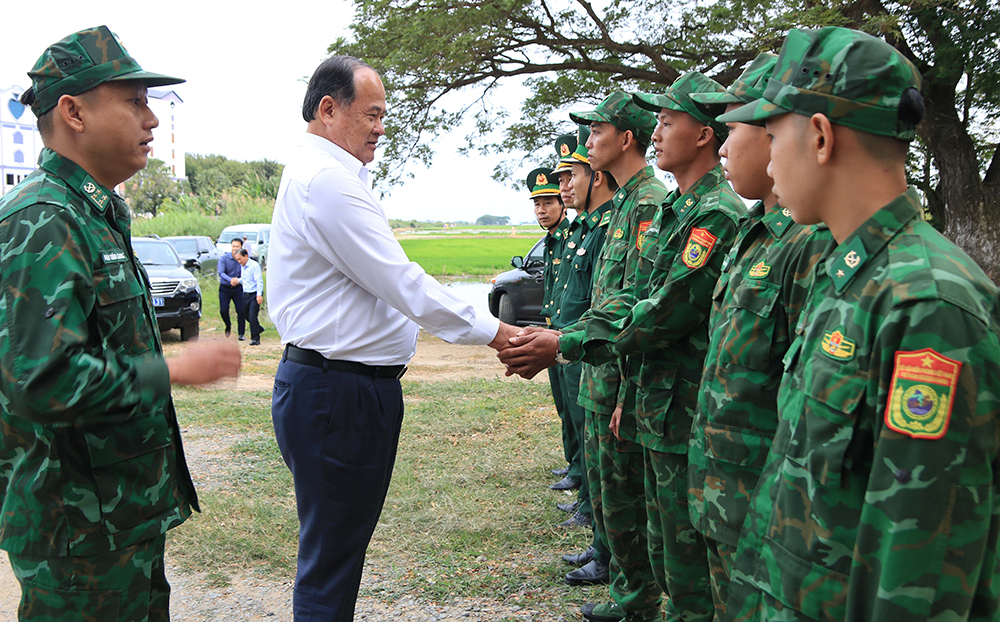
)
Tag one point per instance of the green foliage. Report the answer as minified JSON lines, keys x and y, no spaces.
{"x":148,"y":189}
{"x":211,"y":175}
{"x":194,"y":216}
{"x":487,"y":220}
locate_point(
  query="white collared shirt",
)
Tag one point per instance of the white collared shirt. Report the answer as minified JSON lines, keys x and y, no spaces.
{"x":338,"y":281}
{"x":251,"y":278}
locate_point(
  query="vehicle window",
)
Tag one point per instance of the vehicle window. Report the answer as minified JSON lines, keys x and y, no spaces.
{"x":537,"y":252}
{"x":229,"y":236}
{"x":154,"y":253}
{"x":185,"y":247}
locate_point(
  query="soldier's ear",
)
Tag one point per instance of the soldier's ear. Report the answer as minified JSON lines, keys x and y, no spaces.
{"x":69,"y":109}
{"x":819,"y":138}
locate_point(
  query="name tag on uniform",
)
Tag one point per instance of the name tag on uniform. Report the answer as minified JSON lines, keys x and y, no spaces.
{"x":112,"y":257}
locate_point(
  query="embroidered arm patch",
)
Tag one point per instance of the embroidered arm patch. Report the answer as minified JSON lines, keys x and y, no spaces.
{"x":922,"y":393}
{"x":699,"y":247}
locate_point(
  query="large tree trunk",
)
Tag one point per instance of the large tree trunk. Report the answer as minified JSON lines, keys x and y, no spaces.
{"x":971,"y":204}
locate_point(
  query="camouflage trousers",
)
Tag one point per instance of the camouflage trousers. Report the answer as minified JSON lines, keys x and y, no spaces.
{"x":127,"y":585}
{"x":720,"y":569}
{"x":624,"y":513}
{"x":677,"y":551}
{"x":571,"y":415}
{"x":592,"y":460}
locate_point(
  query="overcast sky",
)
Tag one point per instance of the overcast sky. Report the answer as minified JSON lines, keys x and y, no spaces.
{"x":245,"y":72}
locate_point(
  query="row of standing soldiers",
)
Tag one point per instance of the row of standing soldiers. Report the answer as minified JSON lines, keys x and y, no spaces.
{"x":786,"y":412}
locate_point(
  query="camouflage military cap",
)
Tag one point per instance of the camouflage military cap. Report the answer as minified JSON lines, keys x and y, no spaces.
{"x":747,"y":88}
{"x":853,"y":78}
{"x":582,"y":154}
{"x":565,"y":146}
{"x":620,"y":111}
{"x":82,"y":61}
{"x":542,"y":182}
{"x":678,"y":97}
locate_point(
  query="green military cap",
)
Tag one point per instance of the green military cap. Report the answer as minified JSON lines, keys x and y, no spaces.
{"x":565,"y":146}
{"x":542,"y":183}
{"x":747,"y":88}
{"x":853,"y":78}
{"x":582,"y":154}
{"x":678,"y":97}
{"x":82,"y":61}
{"x":620,"y":111}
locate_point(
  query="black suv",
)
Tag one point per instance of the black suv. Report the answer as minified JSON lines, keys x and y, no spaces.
{"x":198,"y":252}
{"x":517,"y":295}
{"x":175,"y":292}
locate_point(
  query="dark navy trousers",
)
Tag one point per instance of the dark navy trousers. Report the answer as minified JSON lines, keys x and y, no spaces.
{"x":338,"y":434}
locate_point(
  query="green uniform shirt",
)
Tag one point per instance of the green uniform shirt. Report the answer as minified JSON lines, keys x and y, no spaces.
{"x":91,"y":459}
{"x":584,"y":241}
{"x":632,"y":210}
{"x":764,"y":283}
{"x":665,"y":333}
{"x":554,"y":241}
{"x":879,"y":499}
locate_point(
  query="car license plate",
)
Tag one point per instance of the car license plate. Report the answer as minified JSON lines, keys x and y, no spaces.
{"x":157,"y":302}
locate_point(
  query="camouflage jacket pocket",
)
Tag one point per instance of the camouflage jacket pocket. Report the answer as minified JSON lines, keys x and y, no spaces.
{"x":822,"y":434}
{"x":129,"y":464}
{"x":752,"y":324}
{"x":120,"y":313}
{"x":790,"y":582}
{"x":737,"y":446}
{"x":612,"y":270}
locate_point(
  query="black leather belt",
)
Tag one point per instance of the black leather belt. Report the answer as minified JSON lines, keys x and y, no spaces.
{"x":315,"y":359}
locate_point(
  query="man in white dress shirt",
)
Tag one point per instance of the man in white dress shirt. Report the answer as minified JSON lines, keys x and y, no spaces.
{"x":253,"y":292}
{"x":347,"y":303}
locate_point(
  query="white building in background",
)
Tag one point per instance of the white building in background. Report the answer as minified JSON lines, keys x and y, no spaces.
{"x":21,"y":143}
{"x":166,"y":145}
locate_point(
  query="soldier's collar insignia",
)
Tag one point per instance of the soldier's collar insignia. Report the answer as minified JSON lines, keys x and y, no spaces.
{"x":605,"y":219}
{"x":921,"y":393}
{"x":95,"y":193}
{"x":845,"y":264}
{"x":689,"y":202}
{"x":619,"y":234}
{"x":760,"y":270}
{"x":838,"y":346}
{"x":699,"y":247}
{"x":778,"y":220}
{"x":785,"y":212}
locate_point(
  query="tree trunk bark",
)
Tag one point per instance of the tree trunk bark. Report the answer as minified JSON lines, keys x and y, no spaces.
{"x":972,"y":207}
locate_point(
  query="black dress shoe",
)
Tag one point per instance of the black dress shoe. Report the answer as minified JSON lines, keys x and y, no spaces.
{"x":242,"y":338}
{"x":594,"y":573}
{"x":602,"y":612}
{"x":579,"y":559}
{"x":563,"y":472}
{"x":255,"y":342}
{"x":568,"y":507}
{"x":577,"y":520}
{"x":566,"y":483}
{"x":229,"y":332}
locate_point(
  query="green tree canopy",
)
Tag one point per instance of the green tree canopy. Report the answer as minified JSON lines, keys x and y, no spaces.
{"x":146,"y":191}
{"x":573,"y":53}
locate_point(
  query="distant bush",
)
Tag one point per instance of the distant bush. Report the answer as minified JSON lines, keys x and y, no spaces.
{"x":191,"y":215}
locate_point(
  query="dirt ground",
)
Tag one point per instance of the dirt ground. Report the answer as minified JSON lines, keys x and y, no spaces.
{"x":250,"y":598}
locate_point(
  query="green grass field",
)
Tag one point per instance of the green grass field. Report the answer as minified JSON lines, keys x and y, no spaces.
{"x":457,"y":256}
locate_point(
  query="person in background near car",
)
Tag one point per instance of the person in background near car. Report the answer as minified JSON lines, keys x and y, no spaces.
{"x":348,"y":305}
{"x":253,"y":293}
{"x":551,"y":214}
{"x":247,"y":244}
{"x":92,"y":473}
{"x":592,"y":193}
{"x":230,"y":289}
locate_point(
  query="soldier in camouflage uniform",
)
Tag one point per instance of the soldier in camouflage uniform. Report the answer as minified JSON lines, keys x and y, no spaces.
{"x":879,"y":498}
{"x":620,"y":135}
{"x":591,"y":192}
{"x":755,"y":308}
{"x":663,"y":335}
{"x":92,"y":473}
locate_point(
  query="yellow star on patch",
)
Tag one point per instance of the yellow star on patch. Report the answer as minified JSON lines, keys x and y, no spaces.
{"x":928,"y":362}
{"x":840,"y":273}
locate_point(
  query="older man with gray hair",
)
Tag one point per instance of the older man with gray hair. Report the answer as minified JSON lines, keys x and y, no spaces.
{"x":347,"y":303}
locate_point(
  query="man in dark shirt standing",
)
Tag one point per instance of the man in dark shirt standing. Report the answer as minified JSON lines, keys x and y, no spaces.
{"x":230,"y":288}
